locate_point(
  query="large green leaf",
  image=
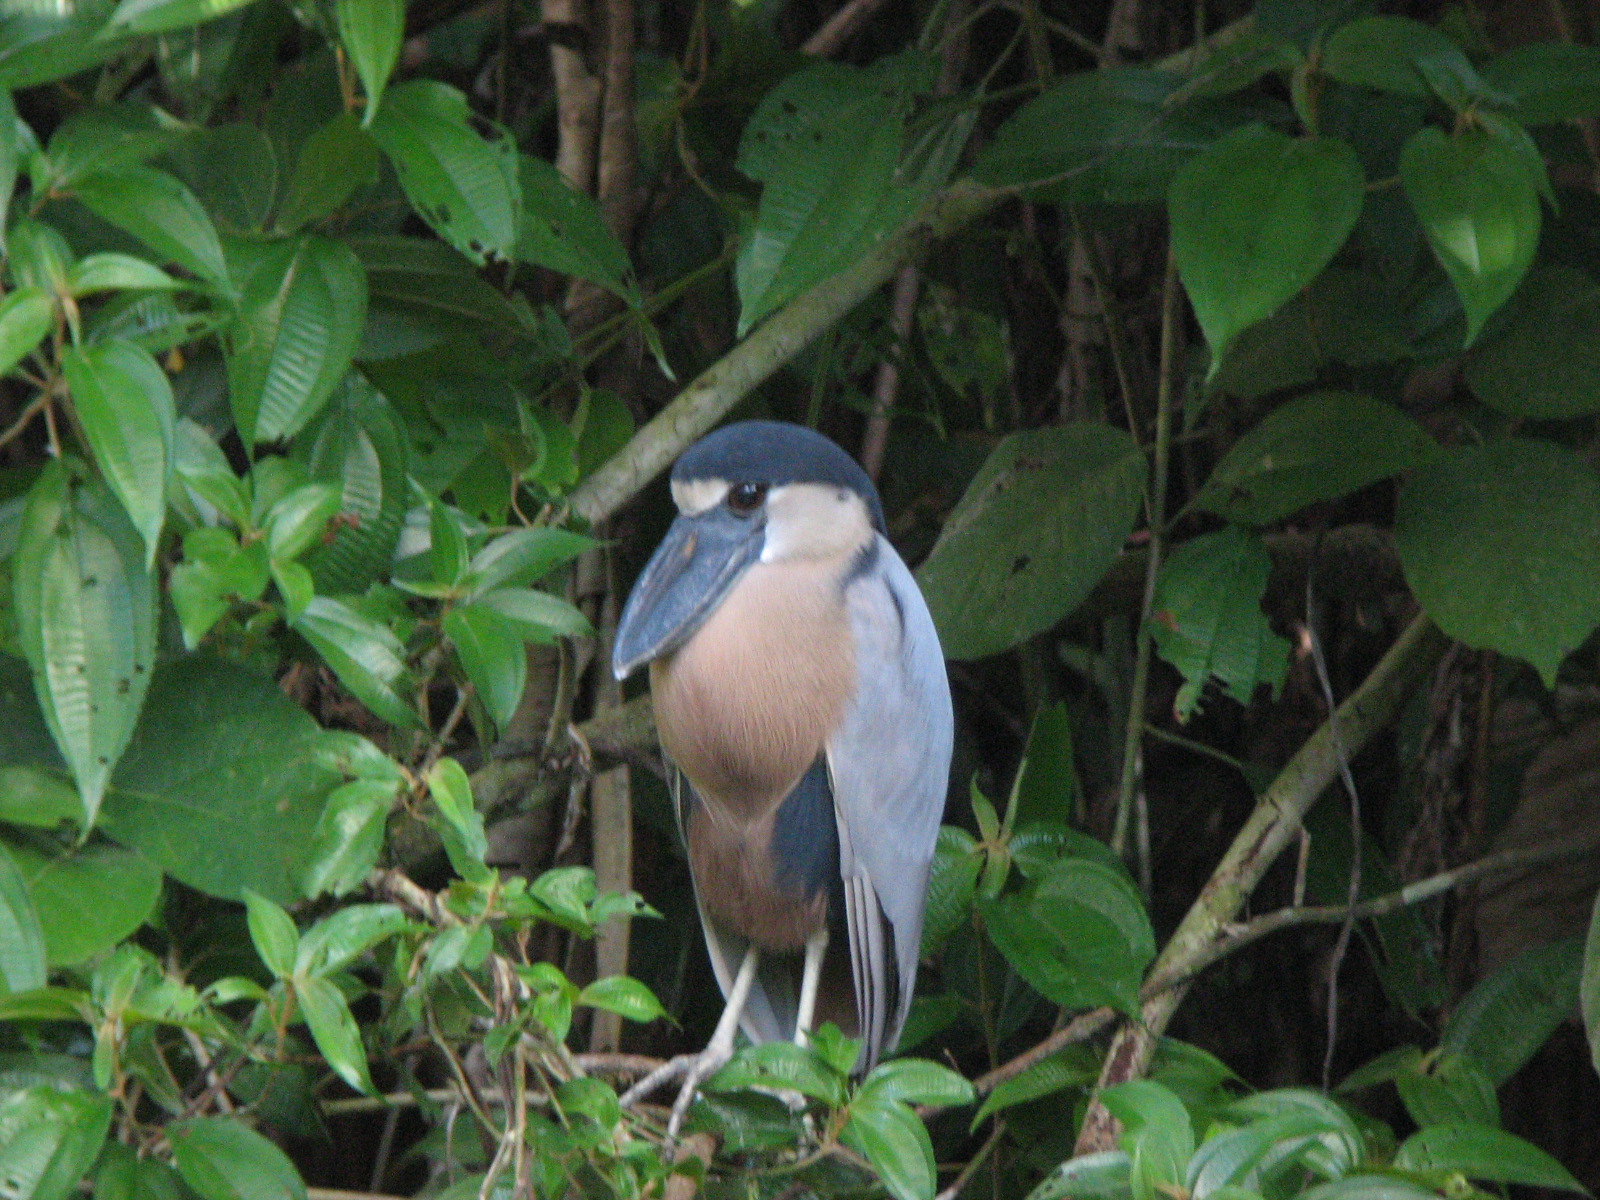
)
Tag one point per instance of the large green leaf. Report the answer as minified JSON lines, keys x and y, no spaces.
{"x":161,"y":212}
{"x":86,"y":611}
{"x":334,"y":1029}
{"x":88,"y":897}
{"x":101,"y":137}
{"x":1315,"y":447}
{"x":22,"y":948}
{"x":125,"y":408}
{"x":1038,"y":527}
{"x":368,"y":659}
{"x":1500,"y":544}
{"x":1480,"y":210}
{"x":491,"y":654}
{"x":1076,"y":933}
{"x":25,"y":317}
{"x":830,"y":148}
{"x":1207,"y":620}
{"x":1101,"y":1176}
{"x":894,"y":1140}
{"x":1068,"y":1068}
{"x":223,"y":782}
{"x":372,"y":31}
{"x":1390,"y":54}
{"x":349,"y":836}
{"x":1255,"y":218}
{"x":1550,"y":81}
{"x":463,"y":186}
{"x":11,"y":150}
{"x":333,"y":163}
{"x":1156,"y":1133}
{"x":304,"y":303}
{"x":565,"y":231}
{"x":1109,"y":136}
{"x":1502,"y":1022}
{"x":221,"y":1159}
{"x":360,"y":446}
{"x":1483,"y":1152}
{"x":430,"y":290}
{"x":158,"y":16}
{"x":48,"y":1139}
{"x":1546,"y":363}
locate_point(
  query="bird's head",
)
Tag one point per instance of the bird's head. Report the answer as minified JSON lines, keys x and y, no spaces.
{"x":751,"y":492}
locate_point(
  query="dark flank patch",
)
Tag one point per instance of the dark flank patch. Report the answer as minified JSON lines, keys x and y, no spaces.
{"x":805,"y":838}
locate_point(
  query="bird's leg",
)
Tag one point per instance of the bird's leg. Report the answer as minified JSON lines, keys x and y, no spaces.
{"x":810,"y":981}
{"x":720,"y":1049}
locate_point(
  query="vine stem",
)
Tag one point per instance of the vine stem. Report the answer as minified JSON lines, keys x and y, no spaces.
{"x":1156,"y":511}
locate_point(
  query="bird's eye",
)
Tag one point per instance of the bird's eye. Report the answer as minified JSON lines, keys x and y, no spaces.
{"x":745,"y":498}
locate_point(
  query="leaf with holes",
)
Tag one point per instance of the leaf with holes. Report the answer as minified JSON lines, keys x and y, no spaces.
{"x":1039,"y":525}
{"x":463,"y":186}
{"x":565,"y":231}
{"x":48,"y":1139}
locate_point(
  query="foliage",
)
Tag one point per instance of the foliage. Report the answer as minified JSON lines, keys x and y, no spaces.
{"x":320,"y":320}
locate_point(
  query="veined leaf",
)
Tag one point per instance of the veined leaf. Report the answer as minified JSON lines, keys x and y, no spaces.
{"x":564,"y":231}
{"x":25,"y":317}
{"x":86,"y":611}
{"x":161,"y":212}
{"x":463,"y":186}
{"x":1501,"y":1023}
{"x":349,"y":836}
{"x":49,"y":1138}
{"x":372,"y":31}
{"x":22,"y":952}
{"x":490,"y":650}
{"x":891,"y":1137}
{"x":334,"y":162}
{"x":1484,"y":1152}
{"x":124,"y":404}
{"x":223,"y":1160}
{"x":88,"y":898}
{"x":334,"y":1029}
{"x":300,"y":320}
{"x":368,"y":659}
{"x":158,"y":16}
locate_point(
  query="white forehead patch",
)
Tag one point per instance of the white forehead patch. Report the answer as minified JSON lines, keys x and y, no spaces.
{"x":695,"y":496}
{"x":814,"y":520}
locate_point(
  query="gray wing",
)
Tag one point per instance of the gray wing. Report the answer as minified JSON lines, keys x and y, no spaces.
{"x":889,"y":765}
{"x":773,"y":1006}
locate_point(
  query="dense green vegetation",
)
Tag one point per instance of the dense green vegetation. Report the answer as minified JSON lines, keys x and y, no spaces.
{"x":1230,"y":374}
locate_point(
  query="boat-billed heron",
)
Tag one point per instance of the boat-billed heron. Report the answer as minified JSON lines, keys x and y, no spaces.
{"x":802,"y":703}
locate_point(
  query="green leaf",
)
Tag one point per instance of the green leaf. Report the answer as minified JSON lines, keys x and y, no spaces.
{"x":489,"y":648}
{"x":1342,"y":1144}
{"x":1156,"y":1134}
{"x":40,"y":45}
{"x":124,"y":405}
{"x":300,"y":519}
{"x":1389,"y":54}
{"x":1255,"y":218}
{"x":1316,"y":447}
{"x":334,"y":1029}
{"x":88,"y":897}
{"x":108,"y":272}
{"x":86,"y":611}
{"x":372,"y":31}
{"x":1369,"y":1187}
{"x":523,"y":557}
{"x":1046,"y":787}
{"x":535,"y":616}
{"x":161,"y":212}
{"x":1037,"y":528}
{"x":1077,"y":933}
{"x":216,"y":573}
{"x":123,"y":1175}
{"x":462,"y":824}
{"x":1446,"y":1088}
{"x":624,"y":996}
{"x":303,"y":306}
{"x":362,"y":448}
{"x":349,"y":836}
{"x":564,"y":231}
{"x":952,"y":882}
{"x":1062,"y":1070}
{"x":830,"y":148}
{"x":203,"y":468}
{"x":893,"y":1139}
{"x":447,"y":543}
{"x":785,"y":1065}
{"x":25,"y":317}
{"x":49,"y":1139}
{"x":158,"y":16}
{"x":1207,"y":620}
{"x":12,"y":136}
{"x":223,"y":781}
{"x":1233,"y":1158}
{"x":223,"y":1160}
{"x":1545,"y":364}
{"x":1100,"y":1176}
{"x":1550,"y":81}
{"x":1108,"y":136}
{"x":272,"y":930}
{"x":1480,"y":211}
{"x":463,"y":186}
{"x":916,"y":1081}
{"x":334,"y":162}
{"x":1589,"y":985}
{"x":337,"y":940}
{"x":1498,"y":543}
{"x":1502,"y":1022}
{"x":34,"y":796}
{"x":1483,"y":1152}
{"x":22,"y":951}
{"x":100,"y":137}
{"x":366,"y":656}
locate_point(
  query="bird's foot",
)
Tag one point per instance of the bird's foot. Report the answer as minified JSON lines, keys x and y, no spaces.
{"x":694,"y":1068}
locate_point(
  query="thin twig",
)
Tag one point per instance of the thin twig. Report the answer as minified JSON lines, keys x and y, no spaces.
{"x":840,"y":28}
{"x":35,"y":406}
{"x":1080,"y":1029}
{"x":972,"y":1166}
